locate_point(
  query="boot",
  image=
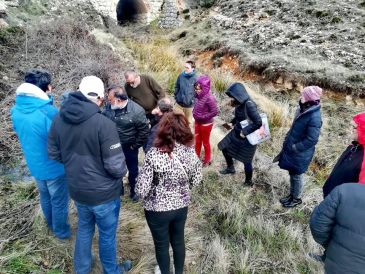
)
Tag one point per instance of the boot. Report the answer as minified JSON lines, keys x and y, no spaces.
{"x":293,"y":202}
{"x":228,"y":170}
{"x":286,"y":199}
{"x":248,"y":178}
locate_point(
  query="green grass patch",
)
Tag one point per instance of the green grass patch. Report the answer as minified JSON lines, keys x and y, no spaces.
{"x":20,"y":265}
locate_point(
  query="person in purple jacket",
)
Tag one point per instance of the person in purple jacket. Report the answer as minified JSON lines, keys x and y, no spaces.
{"x":205,"y":109}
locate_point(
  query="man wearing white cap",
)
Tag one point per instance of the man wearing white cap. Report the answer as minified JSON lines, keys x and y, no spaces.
{"x":87,"y":143}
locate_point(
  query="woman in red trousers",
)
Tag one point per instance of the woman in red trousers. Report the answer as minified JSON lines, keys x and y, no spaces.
{"x":205,"y":109}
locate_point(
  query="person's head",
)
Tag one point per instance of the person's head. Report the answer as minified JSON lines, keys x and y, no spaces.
{"x":189,"y":66}
{"x":238,"y":94}
{"x":202,"y":84}
{"x":117,"y":97}
{"x":358,"y":125}
{"x":39,"y":78}
{"x":311,"y":94}
{"x":173,"y":128}
{"x":93,"y":89}
{"x":131,"y":78}
{"x":164,"y":105}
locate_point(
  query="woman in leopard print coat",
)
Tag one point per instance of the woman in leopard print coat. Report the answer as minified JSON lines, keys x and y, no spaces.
{"x":170,"y":170}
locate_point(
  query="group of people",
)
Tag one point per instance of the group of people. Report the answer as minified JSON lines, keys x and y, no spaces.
{"x":84,"y":150}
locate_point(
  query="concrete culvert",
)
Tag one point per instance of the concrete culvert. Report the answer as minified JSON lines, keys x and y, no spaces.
{"x":130,"y":10}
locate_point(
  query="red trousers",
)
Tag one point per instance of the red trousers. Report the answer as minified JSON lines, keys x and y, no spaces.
{"x":202,"y":137}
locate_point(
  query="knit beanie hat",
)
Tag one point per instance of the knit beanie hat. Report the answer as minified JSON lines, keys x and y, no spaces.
{"x":311,"y":93}
{"x":359,"y":119}
{"x":92,"y":87}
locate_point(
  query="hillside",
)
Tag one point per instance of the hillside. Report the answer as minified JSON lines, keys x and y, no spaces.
{"x":231,"y":228}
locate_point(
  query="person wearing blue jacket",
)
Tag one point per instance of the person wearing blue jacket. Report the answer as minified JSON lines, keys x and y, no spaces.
{"x":32,"y":116}
{"x":299,"y":145}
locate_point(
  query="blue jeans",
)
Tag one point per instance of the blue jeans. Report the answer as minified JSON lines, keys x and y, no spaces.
{"x":131,"y":159}
{"x":54,"y":200}
{"x":105,"y":216}
{"x":296,"y":185}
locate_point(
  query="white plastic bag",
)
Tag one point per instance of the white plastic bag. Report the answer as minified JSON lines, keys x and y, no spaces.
{"x":260,"y":135}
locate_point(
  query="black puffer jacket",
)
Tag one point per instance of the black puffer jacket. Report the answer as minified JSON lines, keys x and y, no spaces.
{"x":88,"y":145}
{"x":131,"y":123}
{"x":338,"y":224}
{"x":236,"y":146}
{"x":347,"y":168}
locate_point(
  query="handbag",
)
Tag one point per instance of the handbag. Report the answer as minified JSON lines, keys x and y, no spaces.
{"x":260,"y":135}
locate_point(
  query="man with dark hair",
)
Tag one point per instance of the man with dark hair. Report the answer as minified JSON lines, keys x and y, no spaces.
{"x":32,"y":117}
{"x":88,"y":144}
{"x":132,"y":128}
{"x":143,"y":90}
{"x":184,"y":90}
{"x":164,"y":105}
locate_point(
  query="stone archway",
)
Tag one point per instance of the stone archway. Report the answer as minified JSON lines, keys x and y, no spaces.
{"x":131,"y":11}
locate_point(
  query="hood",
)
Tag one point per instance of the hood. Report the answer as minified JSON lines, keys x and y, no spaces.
{"x":359,"y":119}
{"x":31,"y":90}
{"x":204,"y":82}
{"x":29,"y":98}
{"x":77,"y":108}
{"x":238,"y":92}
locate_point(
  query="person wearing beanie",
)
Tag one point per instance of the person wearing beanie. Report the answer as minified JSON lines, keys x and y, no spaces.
{"x":350,"y":167}
{"x":299,"y":145}
{"x":87,"y":143}
{"x":32,"y":117}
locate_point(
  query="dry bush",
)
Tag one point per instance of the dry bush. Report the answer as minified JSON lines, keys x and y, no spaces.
{"x":67,"y":49}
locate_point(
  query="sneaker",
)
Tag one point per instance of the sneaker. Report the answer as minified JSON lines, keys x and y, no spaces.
{"x":248,"y":183}
{"x":157,"y":270}
{"x":205,"y":164}
{"x":285,"y":199}
{"x":125,"y":266}
{"x":293,"y":202}
{"x":228,"y":170}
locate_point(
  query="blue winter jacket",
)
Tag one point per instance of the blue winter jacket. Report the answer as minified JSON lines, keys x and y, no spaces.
{"x":32,"y":118}
{"x":299,"y":145}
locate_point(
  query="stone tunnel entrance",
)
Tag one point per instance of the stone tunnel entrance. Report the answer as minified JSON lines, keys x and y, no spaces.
{"x":131,"y":11}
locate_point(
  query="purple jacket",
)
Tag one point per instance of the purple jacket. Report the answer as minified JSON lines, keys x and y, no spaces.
{"x":205,"y":106}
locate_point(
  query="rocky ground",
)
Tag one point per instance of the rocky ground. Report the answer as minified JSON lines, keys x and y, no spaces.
{"x":321,"y":42}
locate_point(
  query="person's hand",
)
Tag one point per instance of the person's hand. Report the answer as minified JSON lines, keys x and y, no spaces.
{"x":242,"y":135}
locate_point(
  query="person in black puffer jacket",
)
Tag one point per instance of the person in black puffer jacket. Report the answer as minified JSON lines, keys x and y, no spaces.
{"x":133,"y":129}
{"x":350,"y":167}
{"x":338,"y":225}
{"x":235,"y":144}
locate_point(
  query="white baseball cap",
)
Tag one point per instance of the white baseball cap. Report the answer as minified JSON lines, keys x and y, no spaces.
{"x":92,"y":87}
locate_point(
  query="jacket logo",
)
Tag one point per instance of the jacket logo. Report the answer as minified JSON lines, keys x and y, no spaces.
{"x":115,"y":146}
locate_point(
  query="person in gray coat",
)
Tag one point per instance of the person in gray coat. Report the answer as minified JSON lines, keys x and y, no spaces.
{"x":338,"y":225}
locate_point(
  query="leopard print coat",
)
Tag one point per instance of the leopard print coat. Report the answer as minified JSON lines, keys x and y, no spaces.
{"x":164,"y":183}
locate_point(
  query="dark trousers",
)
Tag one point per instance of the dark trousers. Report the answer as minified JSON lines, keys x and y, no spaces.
{"x":229,"y":161}
{"x":168,"y":227}
{"x":131,"y":159}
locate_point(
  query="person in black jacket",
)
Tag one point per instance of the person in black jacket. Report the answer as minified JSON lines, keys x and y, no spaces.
{"x":164,"y":105}
{"x":87,"y":143}
{"x":235,"y":144}
{"x":133,"y":129}
{"x":350,"y":167}
{"x":338,"y":225}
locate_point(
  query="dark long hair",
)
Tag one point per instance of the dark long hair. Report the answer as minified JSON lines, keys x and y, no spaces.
{"x":173,"y":127}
